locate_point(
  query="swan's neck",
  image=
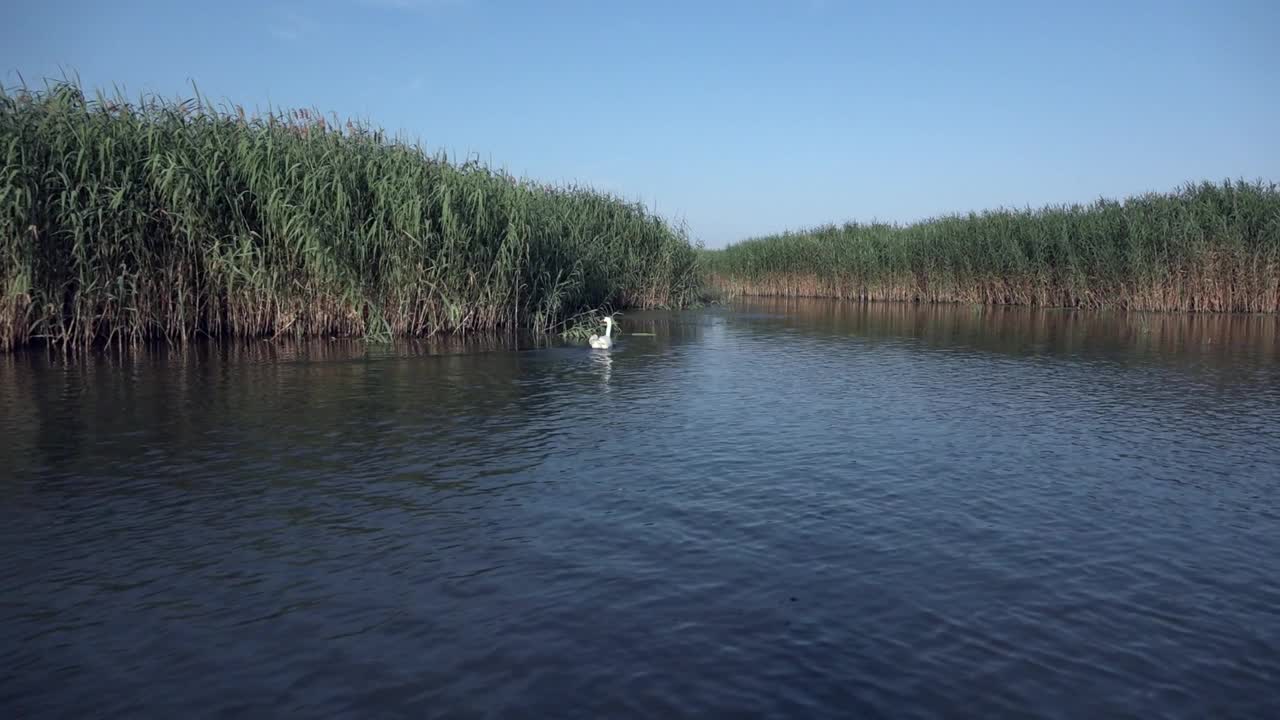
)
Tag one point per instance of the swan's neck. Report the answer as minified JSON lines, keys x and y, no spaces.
{"x":608,"y":327}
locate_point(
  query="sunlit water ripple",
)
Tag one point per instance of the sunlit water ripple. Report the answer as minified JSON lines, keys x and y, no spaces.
{"x":794,"y":509}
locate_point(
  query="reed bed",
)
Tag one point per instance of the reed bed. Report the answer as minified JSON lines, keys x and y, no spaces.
{"x":1204,"y":247}
{"x":125,"y":222}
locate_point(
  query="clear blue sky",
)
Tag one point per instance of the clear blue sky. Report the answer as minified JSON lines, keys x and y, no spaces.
{"x":741,"y":118}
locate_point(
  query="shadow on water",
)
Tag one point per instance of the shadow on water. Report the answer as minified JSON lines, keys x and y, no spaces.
{"x":1017,"y":331}
{"x":91,"y":415}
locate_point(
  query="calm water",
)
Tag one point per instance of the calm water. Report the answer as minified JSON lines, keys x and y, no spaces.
{"x":798,"y":509}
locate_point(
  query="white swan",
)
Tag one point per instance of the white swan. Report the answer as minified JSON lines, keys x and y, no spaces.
{"x":604,"y":342}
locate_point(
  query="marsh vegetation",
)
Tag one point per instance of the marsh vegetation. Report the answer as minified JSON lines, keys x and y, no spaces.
{"x":123,"y":222}
{"x":1205,"y":247}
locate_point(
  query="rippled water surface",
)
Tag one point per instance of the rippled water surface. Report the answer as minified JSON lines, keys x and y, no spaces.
{"x":795,"y":509}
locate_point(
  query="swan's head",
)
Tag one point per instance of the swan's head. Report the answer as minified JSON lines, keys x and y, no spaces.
{"x":608,"y":321}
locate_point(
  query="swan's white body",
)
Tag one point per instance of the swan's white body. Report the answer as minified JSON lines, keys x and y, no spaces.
{"x":604,"y":342}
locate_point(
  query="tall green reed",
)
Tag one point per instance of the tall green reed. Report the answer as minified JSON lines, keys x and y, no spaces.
{"x":133,"y":221}
{"x":1203,"y":247}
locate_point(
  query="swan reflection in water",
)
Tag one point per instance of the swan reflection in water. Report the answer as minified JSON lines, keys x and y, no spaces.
{"x":602,"y":363}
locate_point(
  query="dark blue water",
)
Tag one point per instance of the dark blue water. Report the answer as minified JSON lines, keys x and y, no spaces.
{"x":803,"y":509}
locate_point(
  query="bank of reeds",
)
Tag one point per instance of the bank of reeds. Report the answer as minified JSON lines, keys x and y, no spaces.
{"x":1205,"y":247}
{"x":132,"y":221}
